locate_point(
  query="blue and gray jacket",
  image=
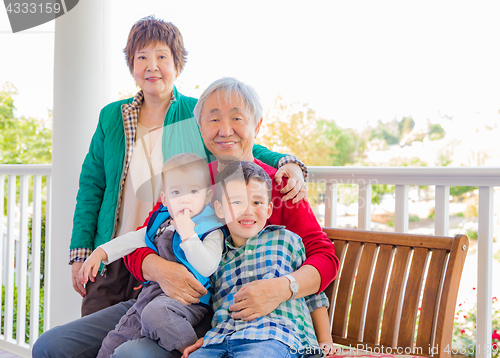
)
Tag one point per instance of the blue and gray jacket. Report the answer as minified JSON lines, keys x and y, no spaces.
{"x":205,"y":222}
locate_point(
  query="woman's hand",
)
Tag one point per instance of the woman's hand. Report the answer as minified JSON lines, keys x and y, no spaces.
{"x":194,"y":347}
{"x":174,"y":279}
{"x":259,"y":298}
{"x":296,"y":185}
{"x":77,"y":285}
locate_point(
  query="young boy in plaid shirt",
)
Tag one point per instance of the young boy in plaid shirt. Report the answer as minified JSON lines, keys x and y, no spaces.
{"x":253,"y":252}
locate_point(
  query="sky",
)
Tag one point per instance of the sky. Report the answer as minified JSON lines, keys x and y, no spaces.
{"x":354,"y":62}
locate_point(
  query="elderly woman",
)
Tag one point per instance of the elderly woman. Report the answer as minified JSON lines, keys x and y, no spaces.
{"x":118,"y":185}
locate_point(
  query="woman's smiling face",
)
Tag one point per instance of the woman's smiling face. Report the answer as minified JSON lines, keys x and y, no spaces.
{"x":154,"y":70}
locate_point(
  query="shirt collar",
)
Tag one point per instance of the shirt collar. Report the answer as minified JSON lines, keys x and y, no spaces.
{"x":268,"y":228}
{"x":139,"y":98}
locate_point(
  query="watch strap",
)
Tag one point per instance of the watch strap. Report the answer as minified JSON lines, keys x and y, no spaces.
{"x":294,"y":286}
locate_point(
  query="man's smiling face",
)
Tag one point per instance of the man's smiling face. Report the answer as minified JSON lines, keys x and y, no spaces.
{"x":228,"y":127}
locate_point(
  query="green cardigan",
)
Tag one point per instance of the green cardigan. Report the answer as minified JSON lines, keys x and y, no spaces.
{"x":102,"y":170}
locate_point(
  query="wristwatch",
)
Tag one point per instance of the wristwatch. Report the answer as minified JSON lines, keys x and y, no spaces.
{"x":294,"y":286}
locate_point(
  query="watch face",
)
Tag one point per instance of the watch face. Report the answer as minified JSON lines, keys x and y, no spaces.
{"x":294,"y":286}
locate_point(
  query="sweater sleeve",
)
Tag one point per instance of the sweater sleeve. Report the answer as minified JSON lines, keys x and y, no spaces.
{"x":133,"y":261}
{"x":277,"y":160}
{"x":124,"y":245}
{"x":204,"y":255}
{"x":265,"y":155}
{"x":90,"y":193}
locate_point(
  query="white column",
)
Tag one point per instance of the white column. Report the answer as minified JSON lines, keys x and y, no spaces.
{"x":79,"y":77}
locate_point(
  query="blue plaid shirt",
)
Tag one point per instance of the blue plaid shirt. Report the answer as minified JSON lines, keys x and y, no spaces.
{"x":274,"y":252}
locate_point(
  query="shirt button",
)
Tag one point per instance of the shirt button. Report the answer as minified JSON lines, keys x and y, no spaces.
{"x":249,"y":252}
{"x":250,"y":273}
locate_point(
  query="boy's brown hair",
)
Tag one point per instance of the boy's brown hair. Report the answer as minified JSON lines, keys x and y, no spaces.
{"x":243,"y":170}
{"x":150,"y":30}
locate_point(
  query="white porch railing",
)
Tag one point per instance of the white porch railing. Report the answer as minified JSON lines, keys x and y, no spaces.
{"x":485,"y":178}
{"x":20,"y":270}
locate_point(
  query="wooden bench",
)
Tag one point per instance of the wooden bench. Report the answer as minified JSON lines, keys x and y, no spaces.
{"x":395,"y":293}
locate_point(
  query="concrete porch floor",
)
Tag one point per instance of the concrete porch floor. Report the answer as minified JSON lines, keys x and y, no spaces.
{"x":4,"y":354}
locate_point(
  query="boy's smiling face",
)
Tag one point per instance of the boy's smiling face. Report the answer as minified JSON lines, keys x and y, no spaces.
{"x":185,"y":189}
{"x":245,"y":208}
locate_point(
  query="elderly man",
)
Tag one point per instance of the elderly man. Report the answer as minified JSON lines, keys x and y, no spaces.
{"x":229,"y":114}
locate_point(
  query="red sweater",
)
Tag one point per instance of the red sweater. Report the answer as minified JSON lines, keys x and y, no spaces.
{"x":298,"y":218}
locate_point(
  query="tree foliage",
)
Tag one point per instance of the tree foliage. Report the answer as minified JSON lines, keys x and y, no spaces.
{"x":388,"y":132}
{"x":436,"y":131}
{"x":22,"y":140}
{"x":296,"y":129}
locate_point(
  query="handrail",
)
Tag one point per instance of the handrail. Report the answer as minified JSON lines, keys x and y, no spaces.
{"x":449,"y":176}
{"x":25,"y":169}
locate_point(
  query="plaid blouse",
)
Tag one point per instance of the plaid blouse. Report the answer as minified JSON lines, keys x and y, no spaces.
{"x":274,"y":252}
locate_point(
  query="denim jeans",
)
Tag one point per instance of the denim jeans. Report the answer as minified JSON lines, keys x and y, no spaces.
{"x":243,"y":348}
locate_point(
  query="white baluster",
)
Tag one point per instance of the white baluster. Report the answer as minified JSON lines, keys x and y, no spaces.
{"x":11,"y":243}
{"x":23,"y":260}
{"x":47,"y":280}
{"x":365,"y":207}
{"x":2,"y":241}
{"x":401,"y":216}
{"x":36,"y":229}
{"x":442,"y":211}
{"x":331,"y":193}
{"x":485,"y":271}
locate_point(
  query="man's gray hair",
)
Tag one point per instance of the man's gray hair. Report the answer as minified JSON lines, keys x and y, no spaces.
{"x":226,"y":86}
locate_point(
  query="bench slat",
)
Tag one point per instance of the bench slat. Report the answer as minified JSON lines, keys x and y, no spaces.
{"x":412,"y":298}
{"x":428,"y":310}
{"x":390,"y":238}
{"x":377,"y":293}
{"x":361,"y":290}
{"x":392,"y":306}
{"x":345,"y":288}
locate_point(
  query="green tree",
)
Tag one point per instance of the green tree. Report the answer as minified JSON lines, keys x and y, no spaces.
{"x":347,"y":143}
{"x":405,"y":126}
{"x":388,"y":132}
{"x":22,"y":140}
{"x":296,"y":129}
{"x":436,"y":131}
